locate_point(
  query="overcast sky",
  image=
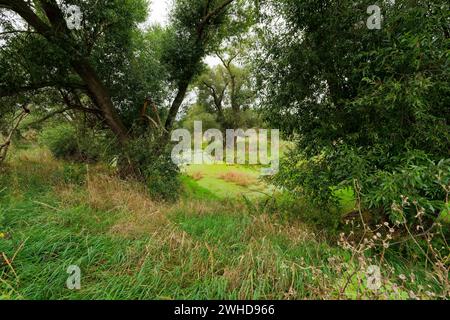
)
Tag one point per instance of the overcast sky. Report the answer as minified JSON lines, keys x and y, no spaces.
{"x":159,"y":11}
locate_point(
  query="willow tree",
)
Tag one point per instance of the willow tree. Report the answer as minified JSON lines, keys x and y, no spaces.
{"x":46,"y":19}
{"x":106,"y":52}
{"x":368,"y":107}
{"x":226,"y":91}
{"x":199,"y":28}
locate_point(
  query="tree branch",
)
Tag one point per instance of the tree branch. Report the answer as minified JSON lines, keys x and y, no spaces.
{"x":5,"y":146}
{"x":16,"y":31}
{"x":8,"y":92}
{"x":213,"y":13}
{"x":49,"y":116}
{"x":78,"y":104}
{"x":23,"y":10}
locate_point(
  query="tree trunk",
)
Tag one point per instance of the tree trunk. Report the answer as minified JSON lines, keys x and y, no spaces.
{"x":102,"y":99}
{"x":182,"y":89}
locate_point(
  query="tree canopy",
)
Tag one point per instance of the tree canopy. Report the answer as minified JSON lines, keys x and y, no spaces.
{"x":109,"y":59}
{"x":365,"y":106}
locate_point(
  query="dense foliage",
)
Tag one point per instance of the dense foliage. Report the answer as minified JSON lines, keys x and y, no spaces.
{"x":359,"y":210}
{"x":369,"y":109}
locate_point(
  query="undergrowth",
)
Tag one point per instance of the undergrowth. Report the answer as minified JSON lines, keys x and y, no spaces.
{"x":54,"y":215}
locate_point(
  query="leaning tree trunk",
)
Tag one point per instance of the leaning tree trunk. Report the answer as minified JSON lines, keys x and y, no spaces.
{"x":177,"y":102}
{"x":58,"y":33}
{"x":102,"y":99}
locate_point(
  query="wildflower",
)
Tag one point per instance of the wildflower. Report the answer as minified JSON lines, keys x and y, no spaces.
{"x":412,"y":295}
{"x":402,"y":277}
{"x":405,"y":201}
{"x":395,"y":288}
{"x":395,"y":207}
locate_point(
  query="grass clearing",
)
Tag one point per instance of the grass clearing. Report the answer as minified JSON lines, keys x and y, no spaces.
{"x":229,"y":181}
{"x":238,"y":178}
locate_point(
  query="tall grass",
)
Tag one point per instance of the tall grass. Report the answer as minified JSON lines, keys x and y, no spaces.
{"x":130,"y":247}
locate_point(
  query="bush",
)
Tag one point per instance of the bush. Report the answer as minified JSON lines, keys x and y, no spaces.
{"x":66,"y":143}
{"x":162,"y":177}
{"x":61,"y":141}
{"x":368,"y":110}
{"x":419,"y":186}
{"x":156,"y":168}
{"x":199,"y":113}
{"x":317,"y":217}
{"x":413,"y":180}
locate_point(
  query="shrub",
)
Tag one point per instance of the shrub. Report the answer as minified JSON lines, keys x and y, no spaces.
{"x":66,"y":143}
{"x":199,"y":113}
{"x":156,"y":167}
{"x":61,"y":140}
{"x":197,"y":175}
{"x":298,"y":207}
{"x":382,"y":182}
{"x":368,"y":110}
{"x":418,"y":184}
{"x":162,"y":177}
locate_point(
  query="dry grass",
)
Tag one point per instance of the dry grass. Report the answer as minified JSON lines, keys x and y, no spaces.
{"x":241,"y":179}
{"x":39,"y":162}
{"x":244,"y":254}
{"x":197,"y":176}
{"x":264,"y":226}
{"x":140,"y":215}
{"x":259,"y":266}
{"x":195,"y":207}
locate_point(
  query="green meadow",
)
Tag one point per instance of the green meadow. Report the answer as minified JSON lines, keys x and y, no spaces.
{"x":221,"y":240}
